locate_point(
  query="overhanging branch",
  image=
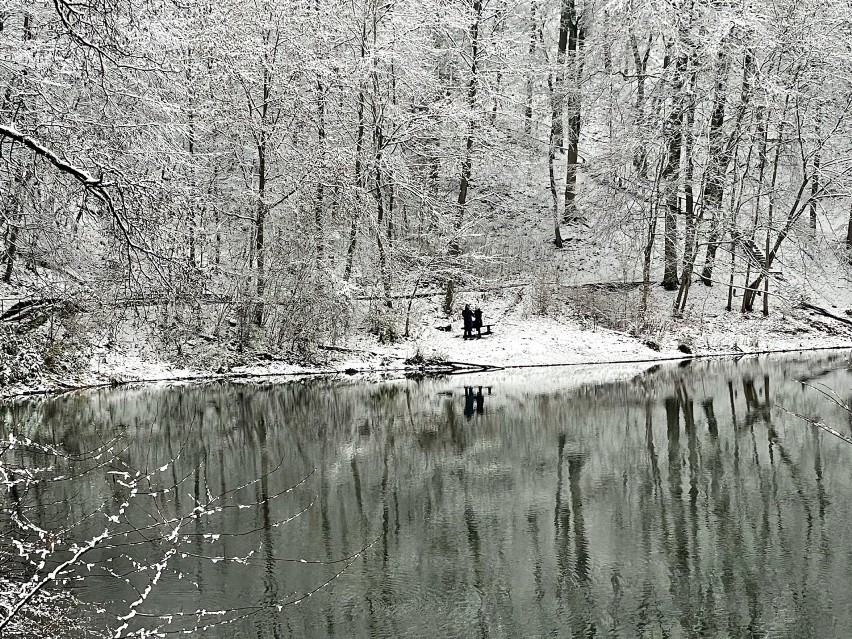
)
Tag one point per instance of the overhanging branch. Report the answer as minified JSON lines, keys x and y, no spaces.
{"x":95,"y":186}
{"x":81,"y":175}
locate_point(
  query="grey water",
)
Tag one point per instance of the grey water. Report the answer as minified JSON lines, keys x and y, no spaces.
{"x":671,"y":501}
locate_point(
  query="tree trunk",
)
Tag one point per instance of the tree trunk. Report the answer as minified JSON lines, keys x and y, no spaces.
{"x":260,"y":222}
{"x":12,"y":250}
{"x":751,"y":293}
{"x":320,"y":192}
{"x":674,"y":133}
{"x":671,"y":281}
{"x":551,"y":171}
{"x":262,"y":206}
{"x":731,"y":277}
{"x":556,"y":84}
{"x":379,"y":191}
{"x":575,"y":47}
{"x":690,"y":239}
{"x":216,"y":221}
{"x":640,"y":164}
{"x":646,"y":261}
{"x":640,"y":62}
{"x":534,"y":30}
{"x":467,"y":162}
{"x":814,"y":191}
{"x":649,"y":245}
{"x":353,"y":237}
{"x":191,"y":222}
{"x":360,"y":179}
{"x":721,"y":158}
{"x":769,"y":220}
{"x":748,"y":289}
{"x":849,"y":237}
{"x":815,"y":179}
{"x":380,"y":215}
{"x":467,"y":158}
{"x":495,"y":107}
{"x":391,"y":204}
{"x":449,"y":297}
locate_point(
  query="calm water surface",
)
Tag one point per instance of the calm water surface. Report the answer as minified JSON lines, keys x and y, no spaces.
{"x":671,"y":502}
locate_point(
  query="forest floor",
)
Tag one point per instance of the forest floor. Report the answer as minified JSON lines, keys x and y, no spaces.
{"x":578,"y":306}
{"x":532,"y":326}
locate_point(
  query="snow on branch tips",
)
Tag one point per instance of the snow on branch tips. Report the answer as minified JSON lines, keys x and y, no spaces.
{"x":138,"y":533}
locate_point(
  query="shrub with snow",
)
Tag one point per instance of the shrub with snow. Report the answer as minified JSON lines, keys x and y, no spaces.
{"x":20,"y":358}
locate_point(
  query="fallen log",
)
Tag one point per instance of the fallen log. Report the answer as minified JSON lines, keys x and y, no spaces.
{"x":825,"y":312}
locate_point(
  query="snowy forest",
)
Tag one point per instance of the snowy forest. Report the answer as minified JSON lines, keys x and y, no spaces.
{"x":260,"y":165}
{"x":217,"y":190}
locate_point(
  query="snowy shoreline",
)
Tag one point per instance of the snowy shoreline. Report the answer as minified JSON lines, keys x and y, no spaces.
{"x":520,"y":339}
{"x":367,"y":369}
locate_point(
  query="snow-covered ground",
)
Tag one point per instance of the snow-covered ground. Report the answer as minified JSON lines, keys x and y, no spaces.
{"x":524,"y":339}
{"x":551,"y":318}
{"x":519,"y":339}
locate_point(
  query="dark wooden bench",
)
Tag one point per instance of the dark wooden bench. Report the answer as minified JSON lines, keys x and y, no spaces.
{"x":487,"y":330}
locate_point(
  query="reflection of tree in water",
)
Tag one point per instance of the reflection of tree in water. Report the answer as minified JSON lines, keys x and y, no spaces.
{"x":572,"y":546}
{"x":659,"y":526}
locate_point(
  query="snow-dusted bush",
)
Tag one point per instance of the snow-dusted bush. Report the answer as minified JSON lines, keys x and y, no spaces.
{"x":45,"y":615}
{"x":651,"y":325}
{"x":422,"y":360}
{"x":20,"y":358}
{"x":544,"y":290}
{"x":612,"y":306}
{"x":26,"y":357}
{"x":306,"y":311}
{"x":381,"y":322}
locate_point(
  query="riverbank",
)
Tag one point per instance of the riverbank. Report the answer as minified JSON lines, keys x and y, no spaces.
{"x":581,"y":306}
{"x":519,"y":339}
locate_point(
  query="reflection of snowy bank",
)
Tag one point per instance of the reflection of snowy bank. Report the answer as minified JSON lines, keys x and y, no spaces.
{"x":638,"y":382}
{"x":513,"y":385}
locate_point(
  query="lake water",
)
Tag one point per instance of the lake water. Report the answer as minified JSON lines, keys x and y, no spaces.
{"x":680,"y":501}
